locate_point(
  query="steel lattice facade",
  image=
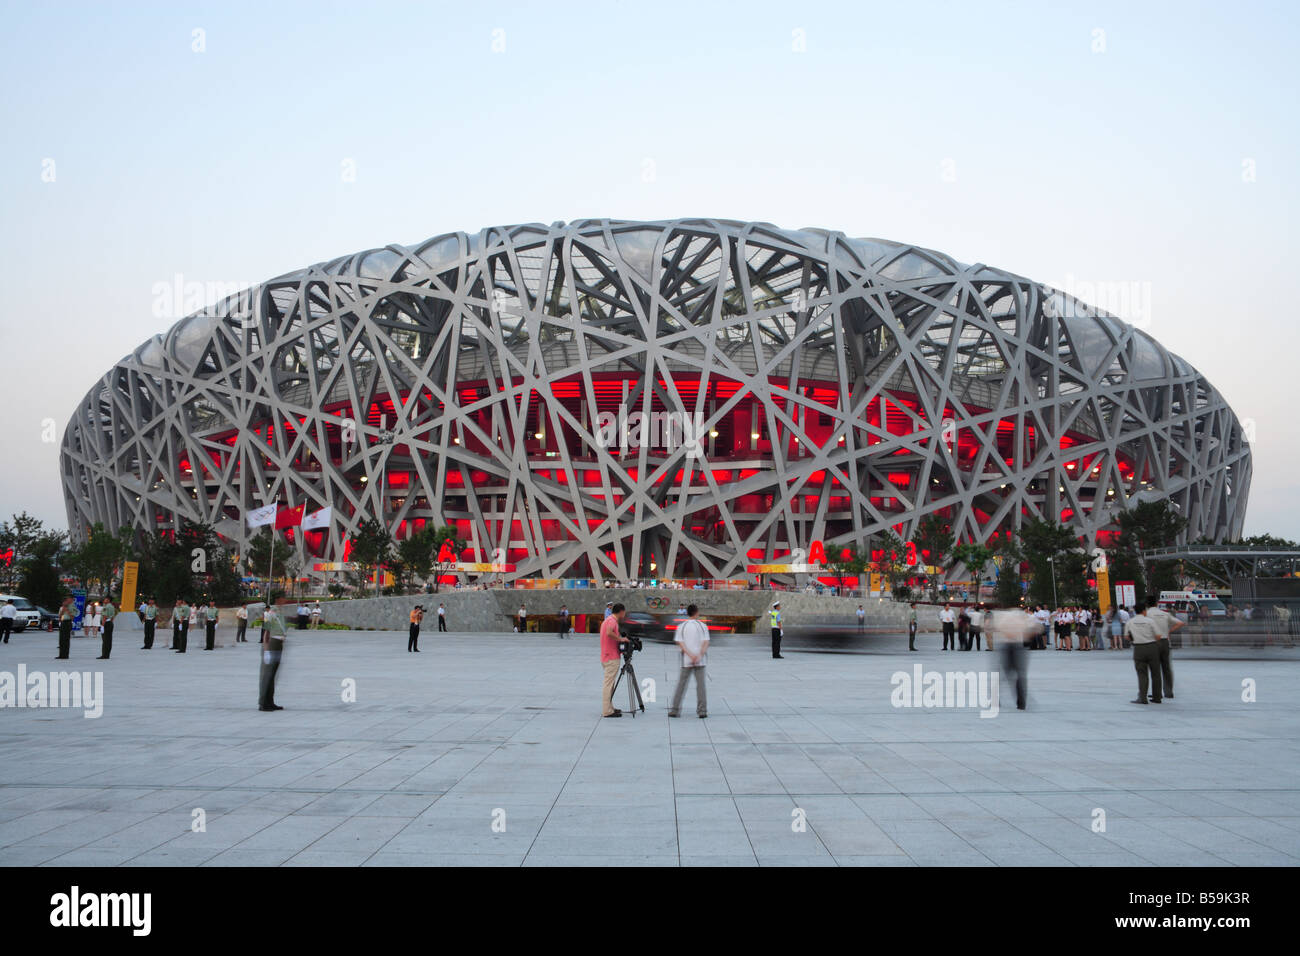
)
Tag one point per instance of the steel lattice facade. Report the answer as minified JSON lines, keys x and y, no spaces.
{"x":845,"y":386}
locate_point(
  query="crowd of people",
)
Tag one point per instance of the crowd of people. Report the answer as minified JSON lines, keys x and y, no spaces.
{"x":962,"y":627}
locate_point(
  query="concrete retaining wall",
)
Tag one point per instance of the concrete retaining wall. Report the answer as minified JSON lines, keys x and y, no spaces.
{"x":495,"y":610}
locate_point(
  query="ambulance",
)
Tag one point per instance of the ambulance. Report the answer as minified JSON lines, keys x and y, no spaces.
{"x":1189,"y":605}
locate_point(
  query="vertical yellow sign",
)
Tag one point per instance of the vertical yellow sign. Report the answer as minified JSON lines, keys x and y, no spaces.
{"x":130,"y":573}
{"x":1103,"y":590}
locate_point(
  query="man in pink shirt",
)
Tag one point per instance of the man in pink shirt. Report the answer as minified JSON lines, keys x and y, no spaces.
{"x":609,"y":657}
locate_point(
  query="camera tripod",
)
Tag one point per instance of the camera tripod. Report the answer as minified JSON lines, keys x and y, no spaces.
{"x":633,"y":688}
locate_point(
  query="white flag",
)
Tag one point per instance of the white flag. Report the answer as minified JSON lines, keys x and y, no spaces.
{"x":318,"y":519}
{"x":262,"y":516}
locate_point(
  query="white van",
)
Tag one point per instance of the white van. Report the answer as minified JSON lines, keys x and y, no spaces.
{"x":1182,"y":603}
{"x":27,"y":615}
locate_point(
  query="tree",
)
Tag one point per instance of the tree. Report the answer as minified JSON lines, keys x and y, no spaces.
{"x":189,"y":563}
{"x":446,"y":552}
{"x":1147,"y":525}
{"x":371,"y":547}
{"x":850,"y":563}
{"x":933,"y":535}
{"x":975,"y":557}
{"x":890,"y":563}
{"x":1042,"y":542}
{"x":269,"y":555}
{"x":18,"y":538}
{"x":40,"y":582}
{"x":1007,"y":591}
{"x":99,"y":560}
{"x":416,"y":553}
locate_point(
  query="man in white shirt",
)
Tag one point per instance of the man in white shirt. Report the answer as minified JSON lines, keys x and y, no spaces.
{"x":1165,"y":624}
{"x":948,"y":621}
{"x":1044,"y":618}
{"x":442,"y":618}
{"x":7,"y":615}
{"x":1146,"y":653}
{"x":976,"y":615}
{"x":692,"y":638}
{"x":1012,"y":629}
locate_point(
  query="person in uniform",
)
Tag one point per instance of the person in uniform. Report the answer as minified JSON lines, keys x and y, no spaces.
{"x":67,"y":615}
{"x":107,"y":613}
{"x":774,"y":616}
{"x":413,"y":642}
{"x":180,"y":626}
{"x":213,"y":612}
{"x":241,"y":624}
{"x":273,"y":637}
{"x":150,"y":623}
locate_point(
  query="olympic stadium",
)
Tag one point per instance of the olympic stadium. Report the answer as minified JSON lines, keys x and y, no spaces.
{"x":504,"y":382}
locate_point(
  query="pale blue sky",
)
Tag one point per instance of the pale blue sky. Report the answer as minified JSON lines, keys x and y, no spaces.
{"x":992,"y":132}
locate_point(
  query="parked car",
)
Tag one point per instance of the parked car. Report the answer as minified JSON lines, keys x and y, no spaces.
{"x":28,"y":614}
{"x":49,"y":620}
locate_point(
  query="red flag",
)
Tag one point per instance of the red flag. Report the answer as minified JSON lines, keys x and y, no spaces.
{"x":289,"y":517}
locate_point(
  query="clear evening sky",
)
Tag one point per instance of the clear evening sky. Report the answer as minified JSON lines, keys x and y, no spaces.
{"x":1143,"y":147}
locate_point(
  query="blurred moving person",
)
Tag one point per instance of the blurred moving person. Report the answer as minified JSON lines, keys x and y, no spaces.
{"x":273,"y":638}
{"x":1013,"y":630}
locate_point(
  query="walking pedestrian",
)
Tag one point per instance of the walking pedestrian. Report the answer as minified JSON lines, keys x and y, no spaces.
{"x":7,"y":615}
{"x":692,"y":639}
{"x":1013,"y":630}
{"x":564,"y":620}
{"x":442,"y":617}
{"x":274,"y":634}
{"x":911,"y":627}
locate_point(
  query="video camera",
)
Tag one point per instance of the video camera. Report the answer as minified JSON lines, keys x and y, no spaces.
{"x":629,"y":643}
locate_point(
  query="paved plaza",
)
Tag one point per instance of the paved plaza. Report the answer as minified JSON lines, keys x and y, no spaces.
{"x":489,"y":750}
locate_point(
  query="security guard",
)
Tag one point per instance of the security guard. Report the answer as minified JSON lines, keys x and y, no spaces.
{"x":210,"y":624}
{"x":180,"y":626}
{"x":775,"y":615}
{"x":150,"y":622}
{"x":108,"y":612}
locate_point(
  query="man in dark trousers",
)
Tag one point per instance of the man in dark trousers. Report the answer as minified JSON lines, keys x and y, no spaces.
{"x":1146,"y":653}
{"x":150,"y":623}
{"x":774,"y":616}
{"x":7,"y":615}
{"x":210,"y":625}
{"x":911,"y":627}
{"x":273,"y":636}
{"x":948,"y":621}
{"x":67,"y":614}
{"x":107,"y":612}
{"x":442,"y":617}
{"x":413,"y":641}
{"x":180,"y":626}
{"x":1165,"y":624}
{"x":564,"y":620}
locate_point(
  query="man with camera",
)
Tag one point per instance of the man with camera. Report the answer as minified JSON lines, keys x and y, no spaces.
{"x":609,"y":657}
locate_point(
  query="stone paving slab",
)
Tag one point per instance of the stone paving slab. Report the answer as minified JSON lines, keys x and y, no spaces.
{"x":488,"y":750}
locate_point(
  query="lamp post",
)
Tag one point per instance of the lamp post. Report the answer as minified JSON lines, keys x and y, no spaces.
{"x":1051,"y":562}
